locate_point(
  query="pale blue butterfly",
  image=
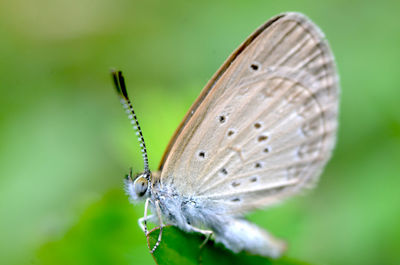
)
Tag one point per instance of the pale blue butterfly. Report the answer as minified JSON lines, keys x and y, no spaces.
{"x":261,"y":131}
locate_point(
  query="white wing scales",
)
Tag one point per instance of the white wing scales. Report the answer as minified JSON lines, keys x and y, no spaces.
{"x":267,"y":127}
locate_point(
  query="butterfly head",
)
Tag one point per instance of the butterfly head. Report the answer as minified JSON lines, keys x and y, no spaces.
{"x":138,"y":187}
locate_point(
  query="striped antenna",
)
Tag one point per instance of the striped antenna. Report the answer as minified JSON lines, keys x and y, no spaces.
{"x":126,"y":103}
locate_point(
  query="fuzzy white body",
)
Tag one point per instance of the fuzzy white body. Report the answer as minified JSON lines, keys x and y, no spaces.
{"x":192,"y":214}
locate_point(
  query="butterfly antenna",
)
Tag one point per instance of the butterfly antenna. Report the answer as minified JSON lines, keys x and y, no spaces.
{"x":119,"y":83}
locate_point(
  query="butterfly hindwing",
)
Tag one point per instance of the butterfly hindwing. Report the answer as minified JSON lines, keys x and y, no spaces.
{"x":265,"y":125}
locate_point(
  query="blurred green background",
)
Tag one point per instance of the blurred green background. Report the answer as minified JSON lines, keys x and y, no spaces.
{"x":66,"y":143}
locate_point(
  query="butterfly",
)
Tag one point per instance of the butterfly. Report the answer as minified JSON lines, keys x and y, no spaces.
{"x":261,"y":131}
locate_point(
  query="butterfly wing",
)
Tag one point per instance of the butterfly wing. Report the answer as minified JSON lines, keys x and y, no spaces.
{"x":264,"y":126}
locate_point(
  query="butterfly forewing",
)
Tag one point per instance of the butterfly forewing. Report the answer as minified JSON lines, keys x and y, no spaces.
{"x":265,"y":126}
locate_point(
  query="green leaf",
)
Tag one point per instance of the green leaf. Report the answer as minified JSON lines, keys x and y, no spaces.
{"x":178,"y":247}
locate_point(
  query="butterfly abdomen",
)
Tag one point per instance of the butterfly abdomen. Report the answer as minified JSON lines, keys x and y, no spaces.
{"x":234,"y":233}
{"x":241,"y":235}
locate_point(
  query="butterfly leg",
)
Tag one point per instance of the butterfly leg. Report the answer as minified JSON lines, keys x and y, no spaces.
{"x":143,"y":221}
{"x":207,"y":233}
{"x":158,"y":211}
{"x":205,"y":240}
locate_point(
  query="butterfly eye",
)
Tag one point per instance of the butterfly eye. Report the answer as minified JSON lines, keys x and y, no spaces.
{"x":140,"y":185}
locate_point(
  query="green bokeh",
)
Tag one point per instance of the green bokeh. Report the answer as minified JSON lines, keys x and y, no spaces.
{"x":65,"y":142}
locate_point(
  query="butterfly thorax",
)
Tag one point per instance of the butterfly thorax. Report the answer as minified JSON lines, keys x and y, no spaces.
{"x":187,"y":212}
